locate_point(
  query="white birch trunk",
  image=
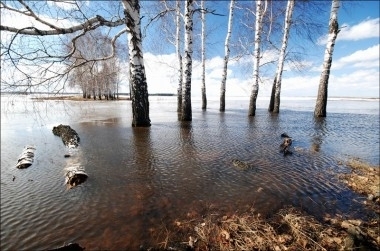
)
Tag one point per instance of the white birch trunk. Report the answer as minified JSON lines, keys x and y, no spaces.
{"x":256,"y":62}
{"x":321,"y":103}
{"x":281,"y":60}
{"x":186,"y":114}
{"x":178,"y":53}
{"x":203,"y":45}
{"x":226,"y":58}
{"x":138,"y":84}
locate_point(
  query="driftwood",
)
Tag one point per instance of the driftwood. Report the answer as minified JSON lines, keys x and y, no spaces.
{"x":285,"y":145}
{"x":74,"y":173}
{"x":69,"y":136}
{"x":74,"y":170}
{"x":75,"y":177}
{"x":26,"y":158}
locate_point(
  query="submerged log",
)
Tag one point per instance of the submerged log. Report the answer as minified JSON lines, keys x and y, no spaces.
{"x":69,"y":136}
{"x":26,"y":158}
{"x":240,"y":164}
{"x":284,"y":135}
{"x":75,"y":177}
{"x":69,"y":247}
{"x":74,"y":173}
{"x":285,"y":145}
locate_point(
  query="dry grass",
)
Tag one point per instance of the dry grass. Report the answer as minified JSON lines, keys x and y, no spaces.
{"x":364,"y":179}
{"x":288,"y":229}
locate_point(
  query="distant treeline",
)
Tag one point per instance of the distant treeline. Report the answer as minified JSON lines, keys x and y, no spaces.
{"x":78,"y":93}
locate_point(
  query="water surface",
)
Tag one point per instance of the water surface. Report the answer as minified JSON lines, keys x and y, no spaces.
{"x":141,"y":179}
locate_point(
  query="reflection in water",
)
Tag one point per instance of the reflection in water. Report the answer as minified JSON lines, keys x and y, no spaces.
{"x":144,"y":188}
{"x":142,"y":179}
{"x":320,"y":131}
{"x":186,"y":139}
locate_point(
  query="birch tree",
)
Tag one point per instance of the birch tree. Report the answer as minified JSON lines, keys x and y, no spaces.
{"x":321,"y":103}
{"x":94,"y":45}
{"x":186,"y":112}
{"x":178,"y":53}
{"x":139,"y":86}
{"x":274,"y":105}
{"x":260,"y":11}
{"x":50,"y":62}
{"x":203,"y":59}
{"x":226,"y":58}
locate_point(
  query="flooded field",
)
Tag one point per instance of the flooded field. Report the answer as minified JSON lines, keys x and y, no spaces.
{"x":141,"y":179}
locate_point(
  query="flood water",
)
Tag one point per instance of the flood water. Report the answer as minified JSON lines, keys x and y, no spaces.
{"x":141,"y":179}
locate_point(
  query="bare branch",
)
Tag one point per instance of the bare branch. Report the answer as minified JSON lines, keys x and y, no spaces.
{"x":90,"y":24}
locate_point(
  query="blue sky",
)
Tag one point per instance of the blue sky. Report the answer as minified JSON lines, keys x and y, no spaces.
{"x":355,"y":67}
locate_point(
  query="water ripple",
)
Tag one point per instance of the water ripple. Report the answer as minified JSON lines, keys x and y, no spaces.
{"x":140,"y":177}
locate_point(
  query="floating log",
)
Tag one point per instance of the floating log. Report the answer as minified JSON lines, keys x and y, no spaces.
{"x":69,"y":136}
{"x":26,"y":158}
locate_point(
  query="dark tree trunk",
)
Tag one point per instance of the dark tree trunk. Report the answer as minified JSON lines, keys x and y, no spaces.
{"x":271,"y":102}
{"x":222,"y":105}
{"x":252,"y":103}
{"x":179,"y":99}
{"x":204,"y":99}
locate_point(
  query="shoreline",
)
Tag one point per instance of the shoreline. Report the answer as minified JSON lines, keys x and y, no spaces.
{"x":289,"y":228}
{"x":76,"y":98}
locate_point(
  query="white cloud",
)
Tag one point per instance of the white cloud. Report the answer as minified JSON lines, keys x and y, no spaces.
{"x":367,"y":58}
{"x":300,"y":86}
{"x":19,"y":21}
{"x":269,"y":56}
{"x":368,"y":28}
{"x":359,"y":83}
{"x":67,"y":5}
